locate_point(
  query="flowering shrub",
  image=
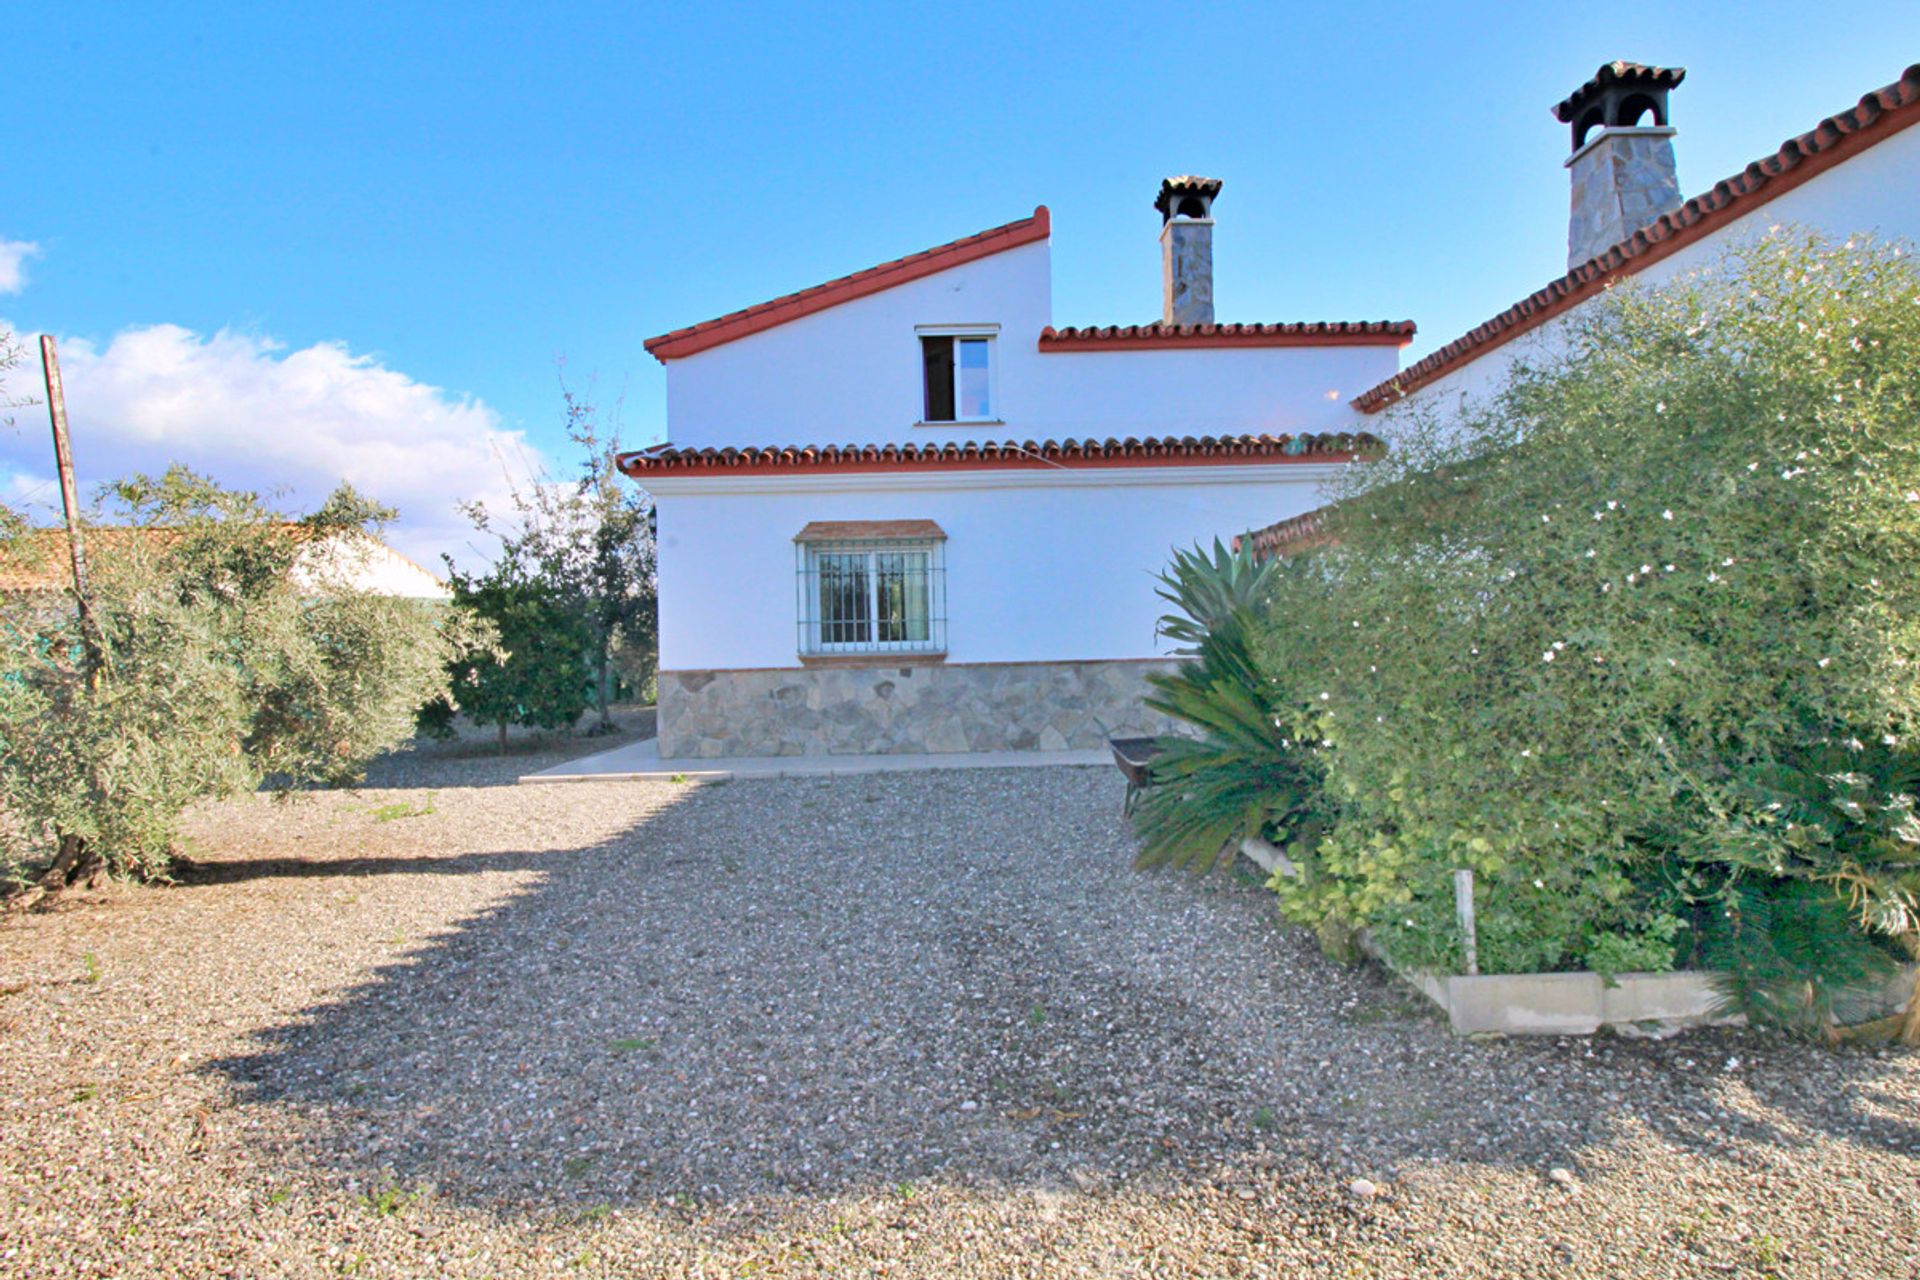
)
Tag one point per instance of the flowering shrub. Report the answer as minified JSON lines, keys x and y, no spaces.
{"x":1561,"y":638}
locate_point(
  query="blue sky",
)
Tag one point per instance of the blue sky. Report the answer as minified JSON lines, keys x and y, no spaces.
{"x":278,"y":238}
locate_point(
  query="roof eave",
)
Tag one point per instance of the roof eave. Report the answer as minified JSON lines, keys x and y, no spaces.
{"x":735,"y":325}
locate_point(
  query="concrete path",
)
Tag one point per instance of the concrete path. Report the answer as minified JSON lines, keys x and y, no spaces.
{"x":640,"y":761}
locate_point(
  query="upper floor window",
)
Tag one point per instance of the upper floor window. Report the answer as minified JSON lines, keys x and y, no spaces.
{"x":959,"y":374}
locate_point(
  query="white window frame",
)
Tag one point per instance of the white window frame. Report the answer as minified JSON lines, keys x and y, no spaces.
{"x":811,"y":625}
{"x":991,"y":332}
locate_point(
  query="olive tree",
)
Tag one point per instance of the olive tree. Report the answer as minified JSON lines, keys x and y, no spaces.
{"x":206,"y":670}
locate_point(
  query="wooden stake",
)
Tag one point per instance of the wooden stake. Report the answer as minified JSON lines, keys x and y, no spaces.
{"x":69,"y":493}
{"x":1463,"y":907}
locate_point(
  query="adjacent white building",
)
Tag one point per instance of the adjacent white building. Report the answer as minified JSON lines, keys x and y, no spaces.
{"x":1854,"y":172}
{"x":1857,"y":171}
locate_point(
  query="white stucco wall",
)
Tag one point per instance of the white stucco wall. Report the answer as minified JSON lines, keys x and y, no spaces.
{"x":1876,"y":191}
{"x":361,"y":563}
{"x":1046,"y":570}
{"x":852,"y":374}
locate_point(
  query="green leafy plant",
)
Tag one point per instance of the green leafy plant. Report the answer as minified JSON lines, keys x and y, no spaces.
{"x":388,"y":1200}
{"x":1241,"y":771}
{"x":401,"y":809}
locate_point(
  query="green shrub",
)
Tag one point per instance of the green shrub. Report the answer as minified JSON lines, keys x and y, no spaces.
{"x":1562,"y":638}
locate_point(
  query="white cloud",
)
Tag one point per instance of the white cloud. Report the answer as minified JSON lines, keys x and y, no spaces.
{"x":291,"y":424}
{"x":13,"y":263}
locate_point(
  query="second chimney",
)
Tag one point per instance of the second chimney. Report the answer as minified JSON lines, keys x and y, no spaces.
{"x":1186,"y":249}
{"x":1622,"y":161}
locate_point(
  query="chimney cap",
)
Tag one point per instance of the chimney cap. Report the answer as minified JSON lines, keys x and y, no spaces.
{"x":1635,"y":75}
{"x":1185,"y":184}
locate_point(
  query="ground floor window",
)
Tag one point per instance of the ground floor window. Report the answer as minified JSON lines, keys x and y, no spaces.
{"x":872,"y":594}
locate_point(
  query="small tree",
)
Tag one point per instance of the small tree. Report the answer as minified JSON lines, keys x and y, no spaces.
{"x":533,"y":670}
{"x":208,"y":672}
{"x":584,"y":546}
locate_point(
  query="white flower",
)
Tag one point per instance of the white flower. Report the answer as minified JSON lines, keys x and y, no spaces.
{"x":1589,"y":553}
{"x":1539,"y":884}
{"x":1666,"y":515}
{"x":1713,"y":577}
{"x":1825,"y":661}
{"x":1612,"y":505}
{"x":1325,"y":696}
{"x":1547,"y":656}
{"x":1669,"y":569}
{"x":1660,"y":406}
{"x":1526,"y":753}
{"x":1889,"y":740}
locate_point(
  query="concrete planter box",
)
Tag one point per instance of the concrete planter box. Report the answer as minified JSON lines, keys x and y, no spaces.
{"x":1566,"y":1004}
{"x":1571,"y":1004}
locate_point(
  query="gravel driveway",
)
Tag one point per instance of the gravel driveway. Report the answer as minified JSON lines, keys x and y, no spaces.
{"x":898,"y":1024}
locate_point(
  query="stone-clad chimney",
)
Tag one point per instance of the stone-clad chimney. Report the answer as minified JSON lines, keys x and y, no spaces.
{"x":1186,"y":249}
{"x":1622,"y":161}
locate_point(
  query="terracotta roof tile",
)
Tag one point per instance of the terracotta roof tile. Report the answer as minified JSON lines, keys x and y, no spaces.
{"x":778,"y":311}
{"x":851,"y":530}
{"x":1613,"y":73}
{"x":1291,"y":536}
{"x":1310,"y":333}
{"x":1877,"y":116}
{"x":1167,"y":451}
{"x":39,"y":561}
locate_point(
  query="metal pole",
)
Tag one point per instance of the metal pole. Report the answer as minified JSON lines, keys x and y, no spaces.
{"x":1463,"y":906}
{"x":69,"y":495}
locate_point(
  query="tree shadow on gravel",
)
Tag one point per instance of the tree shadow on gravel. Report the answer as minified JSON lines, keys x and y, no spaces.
{"x":830,"y":986}
{"x":473,"y":757}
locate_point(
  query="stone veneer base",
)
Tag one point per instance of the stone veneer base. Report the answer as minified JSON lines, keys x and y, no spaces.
{"x":1010,"y":706}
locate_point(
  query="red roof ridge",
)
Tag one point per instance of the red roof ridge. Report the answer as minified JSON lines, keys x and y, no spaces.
{"x":1301,"y":333}
{"x":972,"y":454}
{"x":778,"y":311}
{"x":1290,"y":536}
{"x":1877,"y":116}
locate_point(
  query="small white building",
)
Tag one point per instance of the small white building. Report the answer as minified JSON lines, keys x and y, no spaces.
{"x":901,"y":512}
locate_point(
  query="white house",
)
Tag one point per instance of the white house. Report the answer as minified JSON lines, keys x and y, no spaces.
{"x":901,"y":511}
{"x":1855,"y":171}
